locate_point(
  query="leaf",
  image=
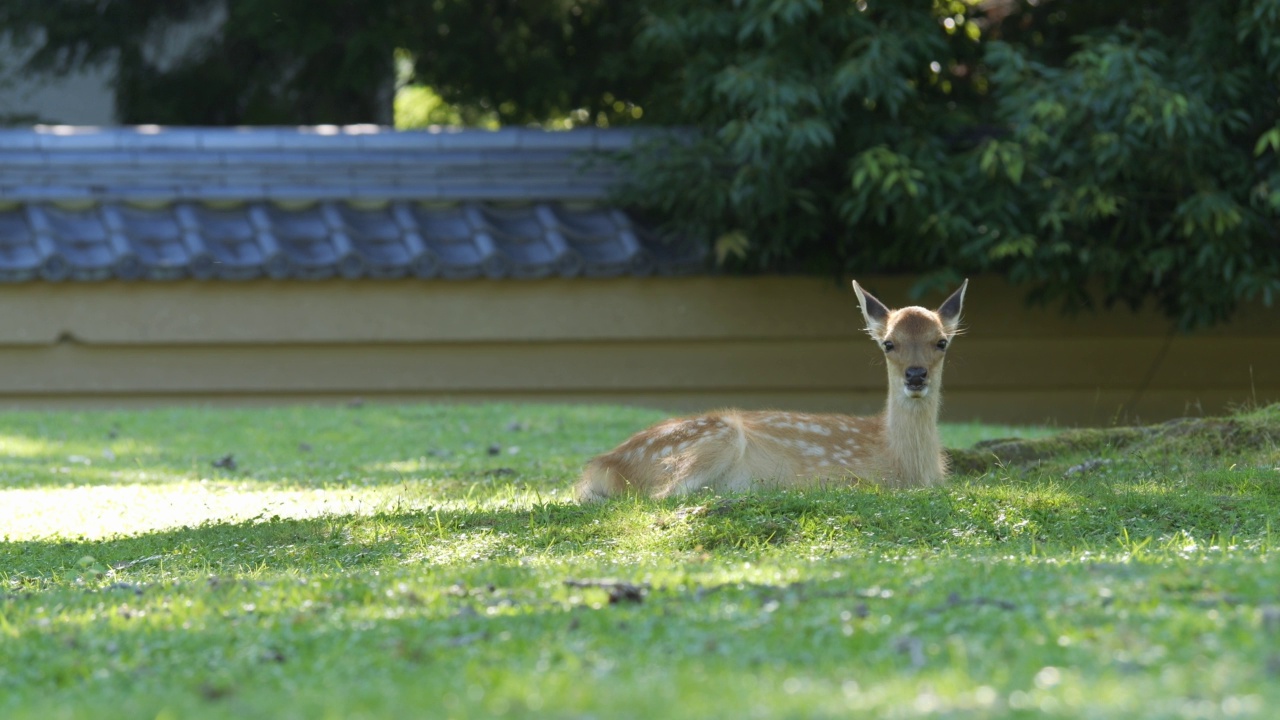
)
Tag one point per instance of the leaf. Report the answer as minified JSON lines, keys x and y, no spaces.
{"x":1024,"y":246}
{"x":1269,"y":140}
{"x":731,"y":244}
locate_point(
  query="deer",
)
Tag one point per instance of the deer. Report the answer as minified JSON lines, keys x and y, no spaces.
{"x":735,"y":450}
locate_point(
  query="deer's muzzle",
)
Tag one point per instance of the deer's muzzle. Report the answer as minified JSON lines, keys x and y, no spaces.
{"x":916,"y":376}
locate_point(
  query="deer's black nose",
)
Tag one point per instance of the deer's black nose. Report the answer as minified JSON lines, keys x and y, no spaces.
{"x":916,"y":375}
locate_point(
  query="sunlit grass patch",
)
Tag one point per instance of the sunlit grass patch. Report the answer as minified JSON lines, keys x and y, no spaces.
{"x":99,"y":512}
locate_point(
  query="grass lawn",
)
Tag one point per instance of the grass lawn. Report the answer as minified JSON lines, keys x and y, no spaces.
{"x":427,"y":561}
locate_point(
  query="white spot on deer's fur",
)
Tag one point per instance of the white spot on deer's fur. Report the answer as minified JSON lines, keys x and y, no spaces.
{"x":684,"y":446}
{"x":818,"y":429}
{"x":814,"y":450}
{"x":665,"y":451}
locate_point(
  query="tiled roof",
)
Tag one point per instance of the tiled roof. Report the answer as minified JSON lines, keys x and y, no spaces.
{"x":158,"y":203}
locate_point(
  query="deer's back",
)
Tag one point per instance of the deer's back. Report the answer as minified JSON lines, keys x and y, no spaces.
{"x":737,"y":450}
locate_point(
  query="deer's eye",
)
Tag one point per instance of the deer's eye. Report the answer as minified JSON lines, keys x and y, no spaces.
{"x":942,"y":344}
{"x":888,"y":345}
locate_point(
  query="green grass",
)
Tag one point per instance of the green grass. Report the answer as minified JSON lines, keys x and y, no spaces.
{"x":427,"y":561}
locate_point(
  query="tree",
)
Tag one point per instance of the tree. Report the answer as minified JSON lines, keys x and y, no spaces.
{"x":828,"y":128}
{"x":1091,"y":150}
{"x":332,"y":61}
{"x":265,"y":62}
{"x":1146,"y":154}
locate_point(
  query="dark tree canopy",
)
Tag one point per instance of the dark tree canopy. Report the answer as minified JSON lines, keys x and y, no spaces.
{"x":332,"y":61}
{"x":1090,"y":149}
{"x":1126,"y":151}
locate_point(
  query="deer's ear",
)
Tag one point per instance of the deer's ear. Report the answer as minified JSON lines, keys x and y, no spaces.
{"x":949,"y":311}
{"x":873,"y":311}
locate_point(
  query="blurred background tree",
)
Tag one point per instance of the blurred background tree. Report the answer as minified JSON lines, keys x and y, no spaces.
{"x":1121,"y":152}
{"x":1091,"y":150}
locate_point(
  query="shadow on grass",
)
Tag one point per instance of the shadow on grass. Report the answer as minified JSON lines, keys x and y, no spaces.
{"x":976,"y":514}
{"x":1045,"y":513}
{"x":244,"y":642}
{"x":323,"y":544}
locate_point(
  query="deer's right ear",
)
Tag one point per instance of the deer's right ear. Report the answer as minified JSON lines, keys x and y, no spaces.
{"x":873,"y":311}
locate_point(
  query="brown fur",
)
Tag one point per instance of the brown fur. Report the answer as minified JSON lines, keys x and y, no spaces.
{"x":735,"y":450}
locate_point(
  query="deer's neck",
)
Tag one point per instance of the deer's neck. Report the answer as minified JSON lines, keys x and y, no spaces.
{"x":911,"y":438}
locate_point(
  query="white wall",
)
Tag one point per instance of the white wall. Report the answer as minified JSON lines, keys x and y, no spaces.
{"x":87,"y":98}
{"x":79,"y":99}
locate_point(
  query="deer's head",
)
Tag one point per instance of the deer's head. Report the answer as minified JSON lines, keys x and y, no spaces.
{"x":914,"y":339}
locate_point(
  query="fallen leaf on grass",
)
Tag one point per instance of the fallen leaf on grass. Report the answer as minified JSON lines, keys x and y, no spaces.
{"x":211,"y":691}
{"x":128,"y":587}
{"x":619,"y":592}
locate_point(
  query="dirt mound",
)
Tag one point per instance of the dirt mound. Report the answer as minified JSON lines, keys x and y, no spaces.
{"x":1258,"y":430}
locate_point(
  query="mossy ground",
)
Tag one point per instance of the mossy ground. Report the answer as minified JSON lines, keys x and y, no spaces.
{"x":425,"y":561}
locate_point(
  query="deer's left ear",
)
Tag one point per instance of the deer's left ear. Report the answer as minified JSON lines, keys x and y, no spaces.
{"x":949,"y":311}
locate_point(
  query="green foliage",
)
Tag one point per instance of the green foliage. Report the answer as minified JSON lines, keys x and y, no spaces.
{"x":531,"y":61}
{"x":1148,"y":164}
{"x":380,"y":562}
{"x":819,"y":120}
{"x":1093,"y":151}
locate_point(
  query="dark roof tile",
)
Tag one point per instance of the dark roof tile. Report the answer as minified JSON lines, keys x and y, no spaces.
{"x":22,"y":253}
{"x":310,"y":203}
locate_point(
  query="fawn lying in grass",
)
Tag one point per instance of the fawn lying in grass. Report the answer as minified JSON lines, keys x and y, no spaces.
{"x":734,"y":450}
